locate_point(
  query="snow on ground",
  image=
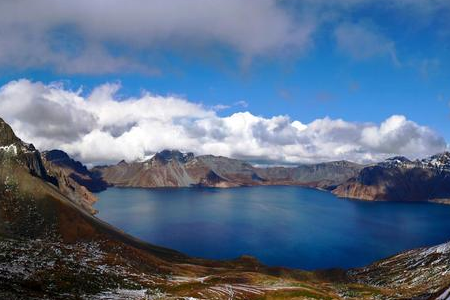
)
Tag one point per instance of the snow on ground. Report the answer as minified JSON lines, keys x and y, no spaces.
{"x":122,"y":294}
{"x":439,"y":249}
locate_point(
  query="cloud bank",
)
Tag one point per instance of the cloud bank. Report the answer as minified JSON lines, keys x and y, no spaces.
{"x":110,"y":36}
{"x":103,"y":36}
{"x":99,"y":128}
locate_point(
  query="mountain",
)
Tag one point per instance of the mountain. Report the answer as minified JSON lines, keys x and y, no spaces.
{"x":322,"y":175}
{"x":172,"y":168}
{"x":396,"y":179}
{"x":64,"y":177}
{"x":399,"y":179}
{"x":75,"y":170}
{"x":52,"y":248}
{"x":26,"y":154}
{"x":73,"y":178}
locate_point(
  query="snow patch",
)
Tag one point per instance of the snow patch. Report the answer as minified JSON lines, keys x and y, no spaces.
{"x":439,"y":249}
{"x":12,"y":149}
{"x":123,"y":294}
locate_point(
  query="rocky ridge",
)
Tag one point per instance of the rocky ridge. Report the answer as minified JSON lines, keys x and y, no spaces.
{"x":400,"y":179}
{"x":172,"y":168}
{"x":73,"y":178}
{"x":76,"y":170}
{"x":395,"y":179}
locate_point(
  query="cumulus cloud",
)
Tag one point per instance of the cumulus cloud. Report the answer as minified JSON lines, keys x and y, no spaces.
{"x":45,"y":111}
{"x":98,"y":128}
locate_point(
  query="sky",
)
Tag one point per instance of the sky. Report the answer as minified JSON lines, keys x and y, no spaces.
{"x":269,"y":81}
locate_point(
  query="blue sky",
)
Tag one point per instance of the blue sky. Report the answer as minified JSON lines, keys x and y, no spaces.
{"x":356,"y":60}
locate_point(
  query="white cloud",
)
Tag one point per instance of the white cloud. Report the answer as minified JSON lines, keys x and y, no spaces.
{"x":100,"y":129}
{"x":219,"y":107}
{"x":99,"y":36}
{"x":362,"y":42}
{"x":107,"y":36}
{"x":241,"y":103}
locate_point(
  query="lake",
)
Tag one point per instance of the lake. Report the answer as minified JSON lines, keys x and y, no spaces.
{"x":280,"y":225}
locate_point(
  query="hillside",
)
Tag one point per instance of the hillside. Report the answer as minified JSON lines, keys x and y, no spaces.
{"x":424,"y":271}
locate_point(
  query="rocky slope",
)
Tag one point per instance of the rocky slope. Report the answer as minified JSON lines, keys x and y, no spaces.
{"x":399,"y":179}
{"x":424,"y":272}
{"x":73,"y":178}
{"x":26,"y":154}
{"x":176,"y":169}
{"x":75,"y":170}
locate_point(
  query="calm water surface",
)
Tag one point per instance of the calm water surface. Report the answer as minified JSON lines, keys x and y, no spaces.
{"x":284,"y":226}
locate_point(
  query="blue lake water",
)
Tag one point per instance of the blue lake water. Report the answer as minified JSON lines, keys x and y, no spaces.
{"x":283,"y":226}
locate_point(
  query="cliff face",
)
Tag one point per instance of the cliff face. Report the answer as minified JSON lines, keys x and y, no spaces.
{"x":399,"y":179}
{"x":73,"y":178}
{"x":74,"y":169}
{"x":26,"y":154}
{"x":176,"y":169}
{"x":322,"y":175}
{"x":7,"y":136}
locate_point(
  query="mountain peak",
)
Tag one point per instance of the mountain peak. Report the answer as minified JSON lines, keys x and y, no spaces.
{"x":7,"y":136}
{"x":56,"y":155}
{"x":62,"y":159}
{"x":166,"y":156}
{"x":444,"y":155}
{"x":122,"y":162}
{"x":402,"y":159}
{"x":440,"y":161}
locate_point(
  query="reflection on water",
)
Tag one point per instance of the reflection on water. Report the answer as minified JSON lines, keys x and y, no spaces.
{"x":285,"y":226}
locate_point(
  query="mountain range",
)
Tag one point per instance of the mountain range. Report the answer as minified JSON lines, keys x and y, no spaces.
{"x":172,"y":168}
{"x":51,"y":247}
{"x":396,"y":179}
